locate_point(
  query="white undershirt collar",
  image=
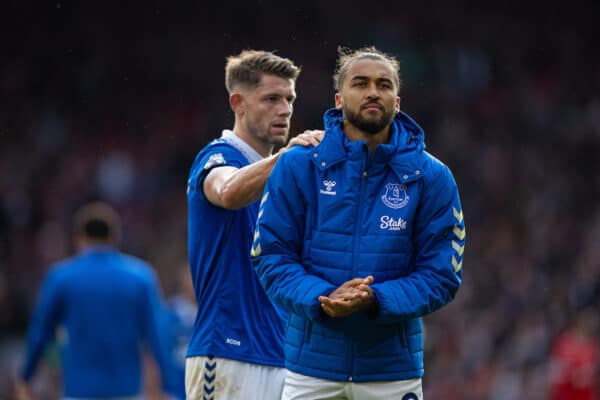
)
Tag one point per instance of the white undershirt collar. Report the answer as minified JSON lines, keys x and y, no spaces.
{"x":251,"y":155}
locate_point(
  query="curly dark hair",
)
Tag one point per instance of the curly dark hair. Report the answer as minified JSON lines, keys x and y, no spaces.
{"x":347,"y":56}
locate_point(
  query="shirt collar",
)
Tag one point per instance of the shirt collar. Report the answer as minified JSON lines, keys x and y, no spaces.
{"x":251,"y":155}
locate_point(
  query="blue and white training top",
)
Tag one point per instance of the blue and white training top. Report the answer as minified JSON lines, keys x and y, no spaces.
{"x":103,"y":305}
{"x":235,"y":320}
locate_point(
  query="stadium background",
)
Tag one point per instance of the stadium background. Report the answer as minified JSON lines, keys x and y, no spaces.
{"x":107,"y":100}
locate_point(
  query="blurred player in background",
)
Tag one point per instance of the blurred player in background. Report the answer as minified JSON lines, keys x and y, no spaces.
{"x":236,"y":349}
{"x":358,"y":239}
{"x":102,"y":305}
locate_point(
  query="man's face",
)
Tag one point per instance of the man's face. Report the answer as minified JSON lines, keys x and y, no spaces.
{"x":368,"y":95}
{"x":269,"y":108}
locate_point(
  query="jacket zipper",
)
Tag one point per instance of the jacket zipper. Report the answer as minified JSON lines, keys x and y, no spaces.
{"x":355,"y":243}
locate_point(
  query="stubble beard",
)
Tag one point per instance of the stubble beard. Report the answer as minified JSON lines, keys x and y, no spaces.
{"x":264,"y":135}
{"x":370,"y":126}
{"x":278,"y":140}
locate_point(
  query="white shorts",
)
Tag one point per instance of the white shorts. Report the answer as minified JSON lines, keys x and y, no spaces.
{"x":302,"y":387}
{"x":214,"y":378}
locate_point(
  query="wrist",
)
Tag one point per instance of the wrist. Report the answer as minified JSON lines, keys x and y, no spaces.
{"x":280,"y":151}
{"x":373,"y":307}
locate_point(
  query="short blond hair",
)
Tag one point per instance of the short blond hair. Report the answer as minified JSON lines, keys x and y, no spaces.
{"x":246,"y":69}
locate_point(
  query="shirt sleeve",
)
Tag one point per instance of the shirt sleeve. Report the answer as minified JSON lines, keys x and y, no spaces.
{"x":214,"y":156}
{"x":44,"y":321}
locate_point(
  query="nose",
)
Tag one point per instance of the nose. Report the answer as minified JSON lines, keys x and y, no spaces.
{"x":285,"y":109}
{"x":372,"y":91}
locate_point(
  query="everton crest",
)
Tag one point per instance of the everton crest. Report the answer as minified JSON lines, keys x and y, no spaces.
{"x":395,"y":195}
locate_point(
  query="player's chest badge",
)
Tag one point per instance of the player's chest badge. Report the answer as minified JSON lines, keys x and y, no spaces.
{"x":395,"y":196}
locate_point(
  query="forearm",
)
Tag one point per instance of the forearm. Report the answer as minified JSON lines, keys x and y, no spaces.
{"x":289,"y":285}
{"x":236,"y":188}
{"x":41,"y":327}
{"x":36,"y":344}
{"x":416,"y":295}
{"x":245,"y":185}
{"x":22,"y":390}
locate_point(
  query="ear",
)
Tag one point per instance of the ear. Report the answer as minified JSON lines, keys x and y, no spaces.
{"x":236,"y":102}
{"x":397,"y":105}
{"x":338,"y":101}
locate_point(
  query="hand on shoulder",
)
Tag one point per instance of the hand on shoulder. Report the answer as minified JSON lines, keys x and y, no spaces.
{"x":306,"y":138}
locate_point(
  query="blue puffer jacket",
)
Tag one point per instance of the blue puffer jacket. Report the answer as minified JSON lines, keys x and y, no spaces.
{"x":332,"y":213}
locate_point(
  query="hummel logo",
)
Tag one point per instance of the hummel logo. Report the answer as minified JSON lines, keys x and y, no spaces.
{"x":328,"y":186}
{"x":208,"y":384}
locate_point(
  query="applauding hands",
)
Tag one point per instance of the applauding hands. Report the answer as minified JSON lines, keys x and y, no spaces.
{"x":352,"y":296}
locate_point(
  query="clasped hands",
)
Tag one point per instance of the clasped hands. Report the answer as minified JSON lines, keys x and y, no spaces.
{"x":352,"y":296}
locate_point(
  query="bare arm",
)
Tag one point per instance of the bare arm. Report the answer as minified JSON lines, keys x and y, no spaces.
{"x":233,"y":188}
{"x":23,"y":391}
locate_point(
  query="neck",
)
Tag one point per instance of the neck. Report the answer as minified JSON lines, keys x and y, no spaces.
{"x":84,"y":243}
{"x":373,"y":140}
{"x":262,"y":148}
{"x":191,"y":297}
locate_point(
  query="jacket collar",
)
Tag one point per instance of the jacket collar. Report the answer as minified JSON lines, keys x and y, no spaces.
{"x":403,"y":153}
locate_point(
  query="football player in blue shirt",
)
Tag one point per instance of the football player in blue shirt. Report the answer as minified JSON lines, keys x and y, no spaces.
{"x":236,"y":349}
{"x":104,"y":305}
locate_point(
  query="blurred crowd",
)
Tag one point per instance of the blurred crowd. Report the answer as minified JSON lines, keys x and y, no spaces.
{"x":112,"y":102}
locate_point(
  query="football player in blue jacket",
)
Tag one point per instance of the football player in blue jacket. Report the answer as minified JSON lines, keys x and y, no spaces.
{"x":358,"y":239}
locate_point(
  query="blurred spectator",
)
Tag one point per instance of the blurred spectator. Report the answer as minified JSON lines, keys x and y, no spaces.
{"x":575,"y":359}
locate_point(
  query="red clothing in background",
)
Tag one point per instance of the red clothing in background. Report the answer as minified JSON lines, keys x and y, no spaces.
{"x":574,"y":367}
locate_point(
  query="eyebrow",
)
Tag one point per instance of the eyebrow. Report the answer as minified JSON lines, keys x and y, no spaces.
{"x":277,"y":94}
{"x":366,"y":78}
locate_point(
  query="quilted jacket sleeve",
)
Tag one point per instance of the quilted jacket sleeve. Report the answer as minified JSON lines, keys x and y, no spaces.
{"x":437,"y":264}
{"x":278,"y":242}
